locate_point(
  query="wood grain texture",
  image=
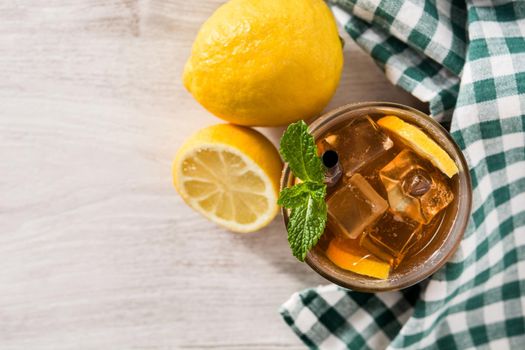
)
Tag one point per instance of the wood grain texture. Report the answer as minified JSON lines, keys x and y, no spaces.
{"x":97,"y":250}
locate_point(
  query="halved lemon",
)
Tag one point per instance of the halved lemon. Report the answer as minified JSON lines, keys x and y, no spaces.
{"x":230,"y":174}
{"x":421,"y":143}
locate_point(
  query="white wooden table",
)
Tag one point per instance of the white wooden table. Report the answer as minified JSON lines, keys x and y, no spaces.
{"x":97,"y":251}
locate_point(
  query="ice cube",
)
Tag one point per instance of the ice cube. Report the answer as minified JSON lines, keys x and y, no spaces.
{"x":358,"y":143}
{"x":415,"y":188}
{"x":361,"y":142}
{"x":391,"y":237}
{"x":354,"y":206}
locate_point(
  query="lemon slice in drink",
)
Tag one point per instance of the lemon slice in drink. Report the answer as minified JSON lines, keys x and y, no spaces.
{"x":230,"y":174}
{"x":347,"y":257}
{"x":421,"y":143}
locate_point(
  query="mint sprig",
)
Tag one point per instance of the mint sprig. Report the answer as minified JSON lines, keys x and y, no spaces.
{"x":300,"y":152}
{"x":305,"y":200}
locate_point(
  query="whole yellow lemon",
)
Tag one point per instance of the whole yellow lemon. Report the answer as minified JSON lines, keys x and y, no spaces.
{"x":266,"y":62}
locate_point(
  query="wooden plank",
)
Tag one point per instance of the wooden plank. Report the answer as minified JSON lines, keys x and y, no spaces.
{"x":97,"y":249}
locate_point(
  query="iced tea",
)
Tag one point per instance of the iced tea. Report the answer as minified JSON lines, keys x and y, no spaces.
{"x":388,"y":201}
{"x":391,"y":211}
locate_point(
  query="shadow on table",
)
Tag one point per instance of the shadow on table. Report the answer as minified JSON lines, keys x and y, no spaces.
{"x":271,"y":243}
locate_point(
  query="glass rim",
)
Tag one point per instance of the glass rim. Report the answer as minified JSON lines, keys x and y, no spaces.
{"x":454,"y":235}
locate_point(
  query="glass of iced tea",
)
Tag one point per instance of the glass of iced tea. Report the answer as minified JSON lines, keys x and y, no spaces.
{"x":394,"y":216}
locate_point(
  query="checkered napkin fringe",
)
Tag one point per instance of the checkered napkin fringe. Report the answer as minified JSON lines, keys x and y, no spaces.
{"x":467,"y":59}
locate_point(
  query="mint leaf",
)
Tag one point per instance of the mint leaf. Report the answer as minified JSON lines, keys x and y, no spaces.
{"x":307,"y":222}
{"x":300,"y":152}
{"x":305,"y":200}
{"x":295,"y":196}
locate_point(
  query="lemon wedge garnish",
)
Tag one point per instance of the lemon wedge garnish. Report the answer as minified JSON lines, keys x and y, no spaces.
{"x":346,"y":256}
{"x":230,"y":174}
{"x":420,"y":143}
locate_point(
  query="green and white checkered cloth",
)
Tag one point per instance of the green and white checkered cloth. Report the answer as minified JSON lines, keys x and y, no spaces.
{"x":468,"y":61}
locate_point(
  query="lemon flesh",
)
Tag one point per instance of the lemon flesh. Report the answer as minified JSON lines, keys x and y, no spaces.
{"x":266,"y":63}
{"x":229,"y":174}
{"x":421,"y":143}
